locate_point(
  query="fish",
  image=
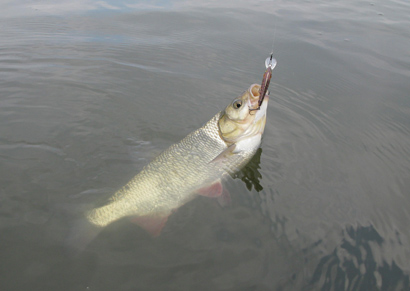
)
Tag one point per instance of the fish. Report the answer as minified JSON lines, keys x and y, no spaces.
{"x":194,"y":166}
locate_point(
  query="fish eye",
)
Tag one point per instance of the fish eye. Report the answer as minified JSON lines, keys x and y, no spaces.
{"x":237,"y":104}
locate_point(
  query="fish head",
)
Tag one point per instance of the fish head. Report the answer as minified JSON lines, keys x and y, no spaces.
{"x":238,"y":121}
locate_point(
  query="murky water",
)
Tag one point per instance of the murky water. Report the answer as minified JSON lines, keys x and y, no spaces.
{"x":90,"y":92}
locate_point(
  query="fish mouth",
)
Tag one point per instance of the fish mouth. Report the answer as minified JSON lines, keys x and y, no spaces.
{"x":254,"y":94}
{"x":259,"y":115}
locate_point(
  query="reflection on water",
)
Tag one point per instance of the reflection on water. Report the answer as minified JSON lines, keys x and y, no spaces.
{"x":352,"y":265}
{"x":250,"y":174}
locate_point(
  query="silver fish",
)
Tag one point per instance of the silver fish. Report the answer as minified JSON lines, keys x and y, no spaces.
{"x":194,"y":166}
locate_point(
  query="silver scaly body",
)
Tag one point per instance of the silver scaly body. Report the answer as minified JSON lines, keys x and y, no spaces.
{"x":172,"y":178}
{"x":193,"y":166}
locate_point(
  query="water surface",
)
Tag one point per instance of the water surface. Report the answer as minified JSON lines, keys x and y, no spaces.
{"x":90,"y":92}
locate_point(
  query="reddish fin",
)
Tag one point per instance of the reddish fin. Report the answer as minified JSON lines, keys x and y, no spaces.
{"x":225,"y":198}
{"x":152,"y":224}
{"x":215,"y":190}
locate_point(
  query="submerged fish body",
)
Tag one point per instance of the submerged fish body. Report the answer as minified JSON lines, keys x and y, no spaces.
{"x":193,"y":166}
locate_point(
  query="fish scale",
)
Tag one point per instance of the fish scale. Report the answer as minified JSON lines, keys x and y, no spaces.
{"x":175,"y":172}
{"x":193,"y":166}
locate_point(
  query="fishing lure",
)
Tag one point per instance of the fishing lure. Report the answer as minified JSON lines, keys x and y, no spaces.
{"x":270,"y":64}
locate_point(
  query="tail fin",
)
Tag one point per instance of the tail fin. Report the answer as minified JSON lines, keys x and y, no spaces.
{"x":80,"y":236}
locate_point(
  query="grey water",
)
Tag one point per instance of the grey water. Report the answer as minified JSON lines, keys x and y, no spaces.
{"x":91,"y":91}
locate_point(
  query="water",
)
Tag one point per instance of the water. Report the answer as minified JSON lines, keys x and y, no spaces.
{"x":92,"y":91}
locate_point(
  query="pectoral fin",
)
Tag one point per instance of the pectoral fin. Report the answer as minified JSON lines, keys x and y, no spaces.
{"x":214,"y":190}
{"x":152,"y":224}
{"x":225,"y":154}
{"x":217,"y":191}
